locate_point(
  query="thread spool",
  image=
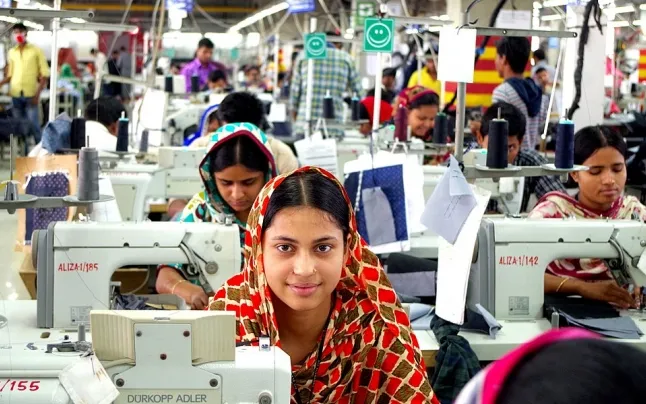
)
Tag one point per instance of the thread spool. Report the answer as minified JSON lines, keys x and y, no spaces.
{"x":122,"y":134}
{"x":168,"y":84}
{"x":195,"y":84}
{"x":498,"y":143}
{"x":88,"y":179}
{"x":564,"y":154}
{"x":77,"y":134}
{"x":355,"y":107}
{"x":328,"y":107}
{"x":143,"y":144}
{"x":441,"y":129}
{"x":401,"y":124}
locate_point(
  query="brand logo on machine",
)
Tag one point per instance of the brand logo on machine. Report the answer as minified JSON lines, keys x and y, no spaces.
{"x":78,"y":267}
{"x":521,"y":261}
{"x":167,"y":398}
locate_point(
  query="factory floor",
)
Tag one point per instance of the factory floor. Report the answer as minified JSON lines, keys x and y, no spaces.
{"x":11,"y":286}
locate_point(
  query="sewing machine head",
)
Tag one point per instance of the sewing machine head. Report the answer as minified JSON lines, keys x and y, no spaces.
{"x":512,"y":254}
{"x":75,"y":261}
{"x":187,"y":354}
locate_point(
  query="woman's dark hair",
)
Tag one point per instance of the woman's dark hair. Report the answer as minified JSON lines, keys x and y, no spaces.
{"x":239,"y":150}
{"x":581,"y":371}
{"x":310,"y":189}
{"x":424,"y":100}
{"x":592,"y":138}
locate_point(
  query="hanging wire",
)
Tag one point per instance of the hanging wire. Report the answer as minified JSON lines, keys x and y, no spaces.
{"x":591,"y":9}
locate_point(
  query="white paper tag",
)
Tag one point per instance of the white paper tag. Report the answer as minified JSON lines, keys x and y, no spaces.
{"x":456,"y":66}
{"x":319,"y":153}
{"x":87,"y":382}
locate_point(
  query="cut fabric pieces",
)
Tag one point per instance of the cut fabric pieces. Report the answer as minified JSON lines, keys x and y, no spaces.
{"x":50,"y":184}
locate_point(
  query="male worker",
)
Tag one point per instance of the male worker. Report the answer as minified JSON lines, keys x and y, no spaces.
{"x":523,"y":93}
{"x":217,"y":82}
{"x":335,"y":74}
{"x":387,"y":86}
{"x":124,"y":63}
{"x":428,"y":74}
{"x":27,"y":76}
{"x":202,"y":65}
{"x":540,"y":62}
{"x":518,"y":156}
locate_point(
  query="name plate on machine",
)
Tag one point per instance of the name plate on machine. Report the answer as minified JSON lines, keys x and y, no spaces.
{"x":132,"y":396}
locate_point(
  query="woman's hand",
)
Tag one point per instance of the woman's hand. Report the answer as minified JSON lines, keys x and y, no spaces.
{"x":193,"y":295}
{"x":607,"y":291}
{"x":475,"y":126}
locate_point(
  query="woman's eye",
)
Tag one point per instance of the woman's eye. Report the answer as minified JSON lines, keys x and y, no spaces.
{"x":324,"y":248}
{"x":284,"y":248}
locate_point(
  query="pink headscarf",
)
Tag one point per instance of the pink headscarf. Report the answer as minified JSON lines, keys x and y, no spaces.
{"x":485,"y":388}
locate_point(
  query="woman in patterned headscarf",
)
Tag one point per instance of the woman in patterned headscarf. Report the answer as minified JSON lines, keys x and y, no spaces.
{"x":314,"y":288}
{"x":237,"y":164}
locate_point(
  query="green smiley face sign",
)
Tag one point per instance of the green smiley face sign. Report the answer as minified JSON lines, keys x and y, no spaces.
{"x":378,"y":35}
{"x":315,"y":46}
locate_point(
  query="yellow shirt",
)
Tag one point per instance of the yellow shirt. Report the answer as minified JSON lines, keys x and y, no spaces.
{"x":26,"y":68}
{"x":427,"y":81}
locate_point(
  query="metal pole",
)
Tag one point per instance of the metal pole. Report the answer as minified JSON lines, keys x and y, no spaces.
{"x":310,"y":85}
{"x":276,"y":64}
{"x":53,"y":75}
{"x":377,"y":107}
{"x":460,"y":112}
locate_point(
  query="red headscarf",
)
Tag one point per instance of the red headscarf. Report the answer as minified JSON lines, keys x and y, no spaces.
{"x":370,"y":353}
{"x":385,"y":111}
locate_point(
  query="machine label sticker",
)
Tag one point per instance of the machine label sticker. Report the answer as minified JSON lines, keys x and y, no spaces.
{"x":519,"y":305}
{"x":165,"y":398}
{"x":80,"y":314}
{"x":19,"y":385}
{"x":78,"y":267}
{"x":521,"y":260}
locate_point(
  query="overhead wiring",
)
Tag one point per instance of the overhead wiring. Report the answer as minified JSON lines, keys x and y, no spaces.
{"x":591,"y":9}
{"x":211,"y":19}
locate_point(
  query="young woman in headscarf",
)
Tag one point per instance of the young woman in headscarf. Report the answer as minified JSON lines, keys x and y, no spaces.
{"x":564,"y":366}
{"x":237,"y":165}
{"x":314,"y":288}
{"x":601,"y":195}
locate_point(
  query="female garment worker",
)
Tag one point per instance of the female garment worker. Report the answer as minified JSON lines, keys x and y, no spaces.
{"x":600,"y":196}
{"x":314,"y":288}
{"x":237,"y":165}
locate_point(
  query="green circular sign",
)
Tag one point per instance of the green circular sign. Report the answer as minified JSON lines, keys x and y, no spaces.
{"x":378,"y":35}
{"x":315,"y":46}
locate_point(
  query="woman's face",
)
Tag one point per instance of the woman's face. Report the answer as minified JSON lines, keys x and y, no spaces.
{"x":604,"y":182}
{"x":422,"y":119}
{"x":239,"y":186}
{"x":303,"y":255}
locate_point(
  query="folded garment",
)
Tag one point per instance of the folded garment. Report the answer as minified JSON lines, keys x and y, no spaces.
{"x":132,"y":302}
{"x":616,"y":327}
{"x":481,"y":321}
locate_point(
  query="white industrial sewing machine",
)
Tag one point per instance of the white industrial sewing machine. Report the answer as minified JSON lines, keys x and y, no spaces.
{"x":75,"y":261}
{"x":175,"y":176}
{"x":512,"y":254}
{"x":152,"y":357}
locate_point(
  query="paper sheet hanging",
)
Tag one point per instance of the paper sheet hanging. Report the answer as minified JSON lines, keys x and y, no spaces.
{"x":456,"y":66}
{"x":87,"y":382}
{"x":319,"y":153}
{"x":454,"y":263}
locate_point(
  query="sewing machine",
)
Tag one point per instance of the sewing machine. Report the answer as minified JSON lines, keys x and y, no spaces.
{"x":75,"y":261}
{"x":150,"y":357}
{"x":512,"y":254}
{"x":175,"y":176}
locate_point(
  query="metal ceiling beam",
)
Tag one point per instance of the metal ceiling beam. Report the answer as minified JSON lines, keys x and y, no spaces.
{"x":149,"y":7}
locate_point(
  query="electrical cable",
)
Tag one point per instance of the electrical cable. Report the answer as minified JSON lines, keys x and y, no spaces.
{"x":592,"y":8}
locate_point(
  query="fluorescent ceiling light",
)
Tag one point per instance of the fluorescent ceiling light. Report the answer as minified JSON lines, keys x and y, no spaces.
{"x":617,"y":24}
{"x":551,"y":17}
{"x":537,"y":5}
{"x":28,"y":24}
{"x":620,"y":10}
{"x":254,"y":18}
{"x":642,"y":7}
{"x":637,"y":23}
{"x":555,"y":3}
{"x":97,"y":26}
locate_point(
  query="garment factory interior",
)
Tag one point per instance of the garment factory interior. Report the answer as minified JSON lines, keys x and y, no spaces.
{"x":323,"y":201}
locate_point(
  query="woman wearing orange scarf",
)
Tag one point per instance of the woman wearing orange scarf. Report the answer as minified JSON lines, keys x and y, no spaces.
{"x":311,"y":284}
